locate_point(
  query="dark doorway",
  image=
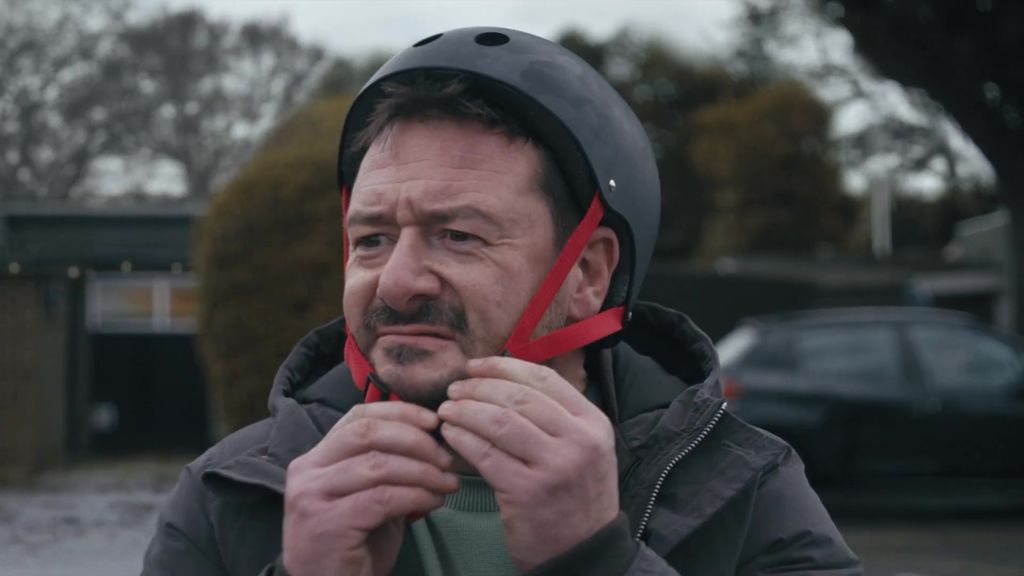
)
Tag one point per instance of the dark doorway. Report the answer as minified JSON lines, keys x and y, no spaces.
{"x":148,"y":394}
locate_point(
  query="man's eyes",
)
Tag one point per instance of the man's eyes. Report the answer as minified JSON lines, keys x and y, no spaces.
{"x":458,"y":236}
{"x":369,"y":241}
{"x":374,"y":241}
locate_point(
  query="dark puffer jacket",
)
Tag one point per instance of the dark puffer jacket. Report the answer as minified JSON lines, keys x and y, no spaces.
{"x":702,"y":493}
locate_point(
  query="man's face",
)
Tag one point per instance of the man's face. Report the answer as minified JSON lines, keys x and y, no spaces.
{"x":449,"y":237}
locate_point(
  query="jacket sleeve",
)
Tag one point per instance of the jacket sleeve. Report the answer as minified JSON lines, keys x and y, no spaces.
{"x":183,"y":542}
{"x":609,"y":552}
{"x":787,"y":532}
{"x":790,"y":532}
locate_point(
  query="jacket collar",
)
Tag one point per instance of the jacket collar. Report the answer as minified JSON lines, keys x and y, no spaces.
{"x":667,"y":379}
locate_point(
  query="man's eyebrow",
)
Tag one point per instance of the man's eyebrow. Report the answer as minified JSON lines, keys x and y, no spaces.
{"x":431,"y":216}
{"x":367,"y":218}
{"x":445,"y":214}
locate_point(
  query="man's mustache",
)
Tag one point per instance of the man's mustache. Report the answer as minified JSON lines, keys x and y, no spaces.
{"x":430,"y":313}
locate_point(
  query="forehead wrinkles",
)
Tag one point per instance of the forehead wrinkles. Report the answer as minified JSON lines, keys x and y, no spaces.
{"x":436,"y":160}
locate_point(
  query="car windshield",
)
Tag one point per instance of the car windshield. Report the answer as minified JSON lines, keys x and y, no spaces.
{"x":851,"y":356}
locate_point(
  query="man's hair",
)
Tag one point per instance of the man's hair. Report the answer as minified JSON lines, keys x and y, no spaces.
{"x":451,"y":98}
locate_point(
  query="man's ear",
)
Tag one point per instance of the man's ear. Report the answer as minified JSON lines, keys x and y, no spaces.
{"x":593,"y":274}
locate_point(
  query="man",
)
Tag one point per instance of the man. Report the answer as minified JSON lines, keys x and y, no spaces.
{"x":501,"y":205}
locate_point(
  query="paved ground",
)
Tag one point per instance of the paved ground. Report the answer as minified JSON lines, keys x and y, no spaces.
{"x":953,"y":546}
{"x":96,"y":519}
{"x":93,"y":519}
{"x":933,"y":528}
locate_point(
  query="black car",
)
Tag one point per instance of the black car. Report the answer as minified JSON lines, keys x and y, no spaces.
{"x":882,"y":391}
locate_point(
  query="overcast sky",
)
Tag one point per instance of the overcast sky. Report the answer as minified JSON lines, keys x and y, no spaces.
{"x":353,"y":27}
{"x":699,"y":27}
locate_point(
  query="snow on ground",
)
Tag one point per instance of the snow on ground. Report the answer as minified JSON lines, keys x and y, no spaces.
{"x":89,"y":519}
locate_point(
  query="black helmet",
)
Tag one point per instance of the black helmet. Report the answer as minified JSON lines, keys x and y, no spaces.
{"x":594,"y":137}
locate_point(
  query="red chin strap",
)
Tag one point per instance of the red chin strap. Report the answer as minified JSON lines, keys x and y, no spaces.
{"x":518,"y":345}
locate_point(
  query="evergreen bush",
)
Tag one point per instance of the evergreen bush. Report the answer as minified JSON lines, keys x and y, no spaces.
{"x":269,"y":261}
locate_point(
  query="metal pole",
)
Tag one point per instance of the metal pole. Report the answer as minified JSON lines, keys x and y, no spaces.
{"x":881,"y":218}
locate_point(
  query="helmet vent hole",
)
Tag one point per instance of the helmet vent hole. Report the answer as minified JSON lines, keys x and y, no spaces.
{"x":491,"y":39}
{"x":427,"y":40}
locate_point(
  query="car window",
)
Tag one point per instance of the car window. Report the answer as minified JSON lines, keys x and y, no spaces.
{"x":954,"y":358}
{"x":861,"y":356}
{"x":772,"y":351}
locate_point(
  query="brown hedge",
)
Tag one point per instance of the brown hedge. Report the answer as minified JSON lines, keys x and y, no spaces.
{"x":269,"y":261}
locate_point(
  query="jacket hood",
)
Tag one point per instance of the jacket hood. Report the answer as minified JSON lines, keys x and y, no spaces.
{"x":307,"y":374}
{"x":679,"y":357}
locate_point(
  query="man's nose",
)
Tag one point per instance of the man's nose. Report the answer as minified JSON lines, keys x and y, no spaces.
{"x":407,"y":279}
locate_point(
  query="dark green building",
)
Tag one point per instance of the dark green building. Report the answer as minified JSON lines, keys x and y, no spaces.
{"x":97,"y":327}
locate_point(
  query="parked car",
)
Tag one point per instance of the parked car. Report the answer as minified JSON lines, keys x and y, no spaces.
{"x":882,"y":391}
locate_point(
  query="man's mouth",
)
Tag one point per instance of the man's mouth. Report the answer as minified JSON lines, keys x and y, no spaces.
{"x":415,"y":335}
{"x":414,"y":332}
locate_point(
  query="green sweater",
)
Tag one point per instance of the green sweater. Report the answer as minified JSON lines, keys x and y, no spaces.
{"x":464,"y":537}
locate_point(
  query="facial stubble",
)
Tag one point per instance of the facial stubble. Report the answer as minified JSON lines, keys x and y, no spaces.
{"x":433,"y":393}
{"x":448,"y":315}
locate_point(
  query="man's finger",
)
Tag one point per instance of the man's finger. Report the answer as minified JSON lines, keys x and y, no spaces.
{"x":372,"y":434}
{"x":371,"y":469}
{"x":541,"y":378}
{"x":496,"y":466}
{"x":508,"y":430}
{"x":369,"y":509}
{"x":542,"y":410}
{"x":412,"y":414}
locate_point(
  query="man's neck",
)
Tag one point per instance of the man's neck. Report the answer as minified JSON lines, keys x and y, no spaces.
{"x":570,"y":367}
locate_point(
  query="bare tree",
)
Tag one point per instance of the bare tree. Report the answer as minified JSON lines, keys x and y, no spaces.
{"x":56,"y":94}
{"x":85,"y":81}
{"x":882,"y":129}
{"x":207,"y":91}
{"x":966,"y":55}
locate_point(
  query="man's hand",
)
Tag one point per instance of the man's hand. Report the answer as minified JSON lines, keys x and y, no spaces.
{"x":347,"y":499}
{"x":547,"y":451}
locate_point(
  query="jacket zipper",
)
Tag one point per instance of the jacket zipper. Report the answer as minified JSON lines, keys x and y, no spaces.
{"x":672,"y":464}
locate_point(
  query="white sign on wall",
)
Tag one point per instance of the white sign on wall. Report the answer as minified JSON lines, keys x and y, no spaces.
{"x":150,"y":303}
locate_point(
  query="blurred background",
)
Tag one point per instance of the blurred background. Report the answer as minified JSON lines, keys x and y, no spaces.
{"x":843,"y":198}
